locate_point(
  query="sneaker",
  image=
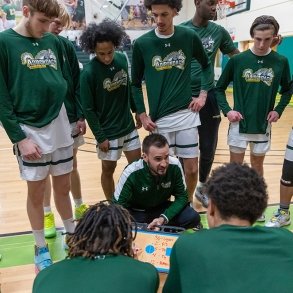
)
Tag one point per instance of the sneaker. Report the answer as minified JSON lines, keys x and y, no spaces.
{"x":279,"y":219}
{"x":262,"y":218}
{"x":49,"y":223}
{"x":79,"y":211}
{"x":42,"y":258}
{"x":201,"y":197}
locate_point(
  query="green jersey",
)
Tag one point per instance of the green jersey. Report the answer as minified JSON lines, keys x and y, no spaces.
{"x":165,"y":65}
{"x":9,"y":9}
{"x":104,"y":274}
{"x":138,"y":188}
{"x":105,"y":97}
{"x":229,"y":259}
{"x":213,"y":37}
{"x":32,"y":87}
{"x":256,"y":80}
{"x":72,"y":75}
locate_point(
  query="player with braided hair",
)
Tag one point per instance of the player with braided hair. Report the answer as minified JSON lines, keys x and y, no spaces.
{"x":100,"y":251}
{"x":106,"y":99}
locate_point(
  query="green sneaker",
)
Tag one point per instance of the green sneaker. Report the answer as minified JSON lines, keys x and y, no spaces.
{"x":79,"y":211}
{"x":49,"y":224}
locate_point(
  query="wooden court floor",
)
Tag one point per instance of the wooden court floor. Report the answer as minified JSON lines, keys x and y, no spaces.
{"x":13,"y":217}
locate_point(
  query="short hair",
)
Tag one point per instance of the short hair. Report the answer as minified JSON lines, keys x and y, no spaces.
{"x":237,"y":190}
{"x":264,"y":22}
{"x":106,"y":31}
{"x":49,"y":7}
{"x":177,"y":4}
{"x":104,"y":229}
{"x":154,"y":139}
{"x":64,"y":17}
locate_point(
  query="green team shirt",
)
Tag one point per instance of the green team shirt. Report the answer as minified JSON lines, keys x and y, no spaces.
{"x":256,"y":80}
{"x":105,"y":97}
{"x":165,"y":65}
{"x":9,"y":9}
{"x":104,"y":274}
{"x":230,"y":259}
{"x":32,"y":86}
{"x":213,"y":37}
{"x":72,"y":75}
{"x":138,"y":188}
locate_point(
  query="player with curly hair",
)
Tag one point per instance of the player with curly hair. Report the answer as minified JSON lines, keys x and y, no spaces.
{"x":233,"y":255}
{"x":106,"y":99}
{"x":100,"y":252}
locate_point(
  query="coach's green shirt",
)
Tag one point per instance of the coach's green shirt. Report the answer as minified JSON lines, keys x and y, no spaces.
{"x":213,"y":37}
{"x":138,"y":188}
{"x":32,"y":86}
{"x":105,"y":274}
{"x":256,"y":80}
{"x":105,"y":96}
{"x":165,"y":65}
{"x":72,"y":75}
{"x":230,"y":259}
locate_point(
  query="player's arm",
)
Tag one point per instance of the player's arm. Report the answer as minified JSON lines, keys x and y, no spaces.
{"x":173,"y":281}
{"x":227,"y":46}
{"x":87,"y":97}
{"x":285,"y":91}
{"x":137,"y":73}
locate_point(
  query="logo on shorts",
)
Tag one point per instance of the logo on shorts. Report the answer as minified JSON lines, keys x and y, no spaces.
{"x":266,"y":75}
{"x":120,"y":78}
{"x":166,"y":185}
{"x":174,"y":59}
{"x":45,"y":58}
{"x":144,"y":188}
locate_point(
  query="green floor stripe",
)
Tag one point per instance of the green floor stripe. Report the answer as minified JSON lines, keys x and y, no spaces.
{"x":19,"y":250}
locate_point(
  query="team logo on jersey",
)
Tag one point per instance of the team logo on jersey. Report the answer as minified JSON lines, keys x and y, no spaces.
{"x":45,"y":58}
{"x":208,"y":44}
{"x":174,"y":59}
{"x":144,"y":188}
{"x":166,"y":185}
{"x":120,"y":78}
{"x":265,"y":75}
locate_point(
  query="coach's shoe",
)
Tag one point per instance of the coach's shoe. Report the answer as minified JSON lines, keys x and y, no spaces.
{"x":262,"y":218}
{"x":80,"y":211}
{"x":42,"y":258}
{"x":49,"y":224}
{"x":279,"y":219}
{"x":201,"y":196}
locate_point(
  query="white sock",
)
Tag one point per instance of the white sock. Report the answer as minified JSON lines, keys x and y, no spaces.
{"x":78,"y":202}
{"x":199,"y":184}
{"x":69,"y":225}
{"x":39,"y":237}
{"x":47,"y":210}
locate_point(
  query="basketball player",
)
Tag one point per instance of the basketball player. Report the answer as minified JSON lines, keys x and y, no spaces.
{"x":256,"y":73}
{"x":77,"y":123}
{"x":165,"y":66}
{"x":32,"y":111}
{"x":213,"y":38}
{"x":106,"y":99}
{"x":233,"y":256}
{"x":9,"y":9}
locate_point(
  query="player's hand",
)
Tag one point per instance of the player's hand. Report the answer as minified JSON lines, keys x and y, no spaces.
{"x":136,"y":250}
{"x":138,"y":121}
{"x":81,"y":127}
{"x":234,"y":116}
{"x":29,"y":149}
{"x":104,"y":146}
{"x":273,"y":116}
{"x":198,"y":102}
{"x":154,"y":225}
{"x":147,"y":122}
